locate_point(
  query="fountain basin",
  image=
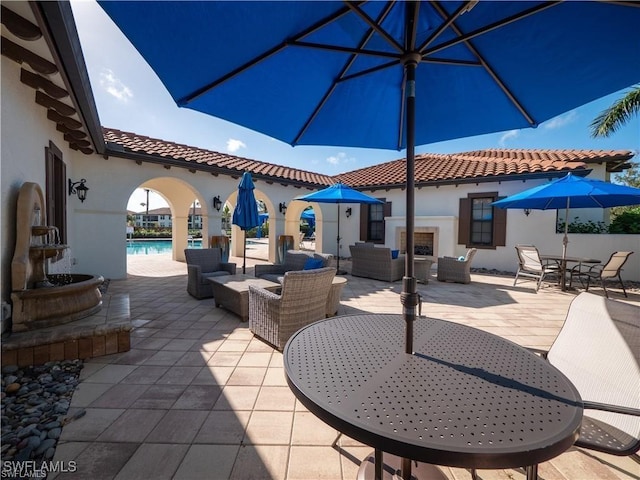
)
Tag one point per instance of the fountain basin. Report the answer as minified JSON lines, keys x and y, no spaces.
{"x":69,"y":300}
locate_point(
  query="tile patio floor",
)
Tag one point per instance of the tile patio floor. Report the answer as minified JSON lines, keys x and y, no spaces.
{"x":197,"y":397}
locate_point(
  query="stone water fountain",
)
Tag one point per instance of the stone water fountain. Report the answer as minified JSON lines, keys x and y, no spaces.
{"x":39,"y":299}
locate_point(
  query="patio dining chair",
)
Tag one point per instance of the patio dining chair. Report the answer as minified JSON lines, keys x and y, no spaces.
{"x":598,"y":349}
{"x":609,"y":271}
{"x":530,"y":265}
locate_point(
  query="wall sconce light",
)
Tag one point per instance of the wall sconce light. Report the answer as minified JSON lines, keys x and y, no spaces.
{"x":527,"y":211}
{"x":282,"y":207}
{"x":81,"y":189}
{"x":348,"y":212}
{"x":217,"y":203}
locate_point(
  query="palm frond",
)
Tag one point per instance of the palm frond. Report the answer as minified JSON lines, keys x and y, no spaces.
{"x":617,"y":115}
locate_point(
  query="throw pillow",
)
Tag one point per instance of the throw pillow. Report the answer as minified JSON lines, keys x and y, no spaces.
{"x":394,"y":253}
{"x":312,"y":264}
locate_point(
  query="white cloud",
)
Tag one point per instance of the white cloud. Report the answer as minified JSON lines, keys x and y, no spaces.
{"x":114,"y":86}
{"x":511,"y":134}
{"x":561,"y":120}
{"x":339,"y":158}
{"x":234,"y":145}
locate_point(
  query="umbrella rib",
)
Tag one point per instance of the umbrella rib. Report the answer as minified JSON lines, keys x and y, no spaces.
{"x":490,"y":71}
{"x":339,"y":48}
{"x":372,"y":23}
{"x":411,"y":34}
{"x":254,"y":61}
{"x":487,"y":28}
{"x":369,"y":70}
{"x":448,"y":20}
{"x":365,"y":39}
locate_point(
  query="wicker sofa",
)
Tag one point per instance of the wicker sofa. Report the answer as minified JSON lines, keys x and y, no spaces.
{"x":450,"y":269}
{"x":374,"y":262}
{"x":303,"y":300}
{"x":293,"y":260}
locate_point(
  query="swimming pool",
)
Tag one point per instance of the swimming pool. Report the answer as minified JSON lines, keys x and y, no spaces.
{"x":155,"y":247}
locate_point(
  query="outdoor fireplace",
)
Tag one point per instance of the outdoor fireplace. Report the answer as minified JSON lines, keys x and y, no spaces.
{"x":424,"y":241}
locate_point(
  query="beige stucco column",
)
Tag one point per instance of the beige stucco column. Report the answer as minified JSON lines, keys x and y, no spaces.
{"x":179,"y":236}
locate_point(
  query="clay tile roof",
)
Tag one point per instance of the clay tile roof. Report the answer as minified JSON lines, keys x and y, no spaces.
{"x":438,"y":168}
{"x":430,"y":168}
{"x":192,"y":157}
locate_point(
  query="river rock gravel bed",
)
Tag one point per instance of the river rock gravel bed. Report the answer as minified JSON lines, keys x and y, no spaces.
{"x":35,"y":401}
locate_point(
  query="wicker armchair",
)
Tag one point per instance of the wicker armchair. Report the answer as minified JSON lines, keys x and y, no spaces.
{"x":375,"y":262}
{"x":303,"y":300}
{"x":293,"y":260}
{"x":450,"y":269}
{"x":204,"y":263}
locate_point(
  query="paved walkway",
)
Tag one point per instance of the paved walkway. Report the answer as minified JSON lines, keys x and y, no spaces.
{"x":198,"y":397}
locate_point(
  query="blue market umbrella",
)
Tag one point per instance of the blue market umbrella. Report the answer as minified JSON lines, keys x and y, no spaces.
{"x":310,"y":216}
{"x":246,"y":215}
{"x":385,"y":74}
{"x":338,"y":193}
{"x":572,"y":191}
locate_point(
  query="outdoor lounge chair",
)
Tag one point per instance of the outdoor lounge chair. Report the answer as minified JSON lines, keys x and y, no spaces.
{"x":609,"y":271}
{"x":293,"y":260}
{"x":598,"y":349}
{"x":530,"y":265}
{"x":204,"y":263}
{"x":450,"y":269}
{"x":303,"y":300}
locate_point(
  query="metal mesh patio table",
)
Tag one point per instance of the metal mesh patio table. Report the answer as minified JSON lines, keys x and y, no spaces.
{"x":464,"y":398}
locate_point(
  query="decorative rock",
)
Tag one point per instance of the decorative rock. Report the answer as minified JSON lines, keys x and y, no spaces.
{"x":12,"y":388}
{"x":35,"y":400}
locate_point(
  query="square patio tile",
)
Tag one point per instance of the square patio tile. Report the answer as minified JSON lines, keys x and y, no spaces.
{"x":261,"y":462}
{"x":91,"y":425}
{"x":179,"y":375}
{"x":237,"y":398}
{"x":145,"y":375}
{"x":99,"y":461}
{"x":152,"y":460}
{"x":269,"y":428}
{"x":275,"y":398}
{"x":320,"y":463}
{"x":198,"y":397}
{"x":110,"y":374}
{"x":213,"y":376}
{"x":132,"y":426}
{"x":224,"y":427}
{"x":178,"y":426}
{"x":310,"y":430}
{"x":85,"y":393}
{"x":120,"y":396}
{"x":213,"y":462}
{"x":159,"y":396}
{"x":247,"y":376}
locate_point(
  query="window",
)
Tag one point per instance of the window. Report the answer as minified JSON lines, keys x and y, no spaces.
{"x":56,"y":191}
{"x":481,"y":225}
{"x":481,"y":221}
{"x":372,"y":226}
{"x":376,"y":223}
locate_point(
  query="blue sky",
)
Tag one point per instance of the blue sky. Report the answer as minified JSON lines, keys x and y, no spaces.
{"x":130,"y":97}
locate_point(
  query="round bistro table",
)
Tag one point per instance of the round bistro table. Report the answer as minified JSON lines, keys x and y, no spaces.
{"x":465,"y":398}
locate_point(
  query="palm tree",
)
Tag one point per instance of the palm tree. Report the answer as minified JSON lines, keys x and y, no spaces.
{"x":617,"y":114}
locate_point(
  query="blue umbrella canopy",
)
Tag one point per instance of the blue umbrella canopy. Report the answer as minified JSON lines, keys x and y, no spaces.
{"x":339,"y":193}
{"x":572,"y":191}
{"x":246,"y":215}
{"x":385,"y":74}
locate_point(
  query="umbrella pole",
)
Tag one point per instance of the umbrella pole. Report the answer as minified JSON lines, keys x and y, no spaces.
{"x":409,"y":297}
{"x":244,"y":253}
{"x":565,"y":242}
{"x":338,"y":272}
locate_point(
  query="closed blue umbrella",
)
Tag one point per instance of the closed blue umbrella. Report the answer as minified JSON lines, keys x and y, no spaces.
{"x":246,"y":215}
{"x":572,"y":191}
{"x":385,"y":74}
{"x":339,"y":193}
{"x":310,"y":216}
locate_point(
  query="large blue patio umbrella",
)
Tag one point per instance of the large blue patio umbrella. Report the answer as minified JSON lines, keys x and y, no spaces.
{"x":572,"y":191}
{"x":338,"y":193}
{"x":385,"y":74}
{"x":246,"y":215}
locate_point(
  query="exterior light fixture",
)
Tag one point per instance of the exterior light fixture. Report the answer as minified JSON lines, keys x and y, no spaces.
{"x":78,"y":188}
{"x":527,"y":211}
{"x":348,"y":212}
{"x":282,"y":207}
{"x":217,"y":203}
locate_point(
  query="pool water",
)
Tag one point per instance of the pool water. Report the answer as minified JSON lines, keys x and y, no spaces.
{"x":155,"y":247}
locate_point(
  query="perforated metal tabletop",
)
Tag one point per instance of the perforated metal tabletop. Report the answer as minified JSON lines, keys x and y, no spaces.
{"x":465,"y":398}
